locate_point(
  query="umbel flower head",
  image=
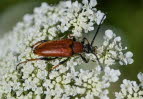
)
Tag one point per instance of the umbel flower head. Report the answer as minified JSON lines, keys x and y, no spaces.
{"x":33,"y":80}
{"x":131,"y":89}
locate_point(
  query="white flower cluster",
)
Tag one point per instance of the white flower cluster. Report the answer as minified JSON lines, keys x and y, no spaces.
{"x":112,"y":51}
{"x":33,"y":80}
{"x":131,"y":89}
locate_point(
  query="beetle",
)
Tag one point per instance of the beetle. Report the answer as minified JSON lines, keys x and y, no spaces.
{"x":64,"y":48}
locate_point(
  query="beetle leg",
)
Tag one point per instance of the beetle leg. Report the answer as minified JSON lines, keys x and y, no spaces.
{"x":38,"y":43}
{"x":83,"y":58}
{"x":73,"y":37}
{"x":43,"y":58}
{"x":62,"y":62}
{"x":98,"y":61}
{"x":83,"y":40}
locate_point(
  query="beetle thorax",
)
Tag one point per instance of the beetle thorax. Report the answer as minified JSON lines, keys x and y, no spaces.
{"x":77,"y":47}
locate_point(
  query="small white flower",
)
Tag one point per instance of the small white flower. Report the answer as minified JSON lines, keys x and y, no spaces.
{"x":85,"y":2}
{"x":112,"y":75}
{"x":109,"y":34}
{"x":126,"y":58}
{"x":99,"y":16}
{"x":38,"y":97}
{"x":93,"y":3}
{"x":117,"y":39}
{"x":68,"y":4}
{"x":129,"y":56}
{"x":140,"y":77}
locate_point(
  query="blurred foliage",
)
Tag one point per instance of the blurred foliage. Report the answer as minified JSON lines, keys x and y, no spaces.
{"x":122,"y":15}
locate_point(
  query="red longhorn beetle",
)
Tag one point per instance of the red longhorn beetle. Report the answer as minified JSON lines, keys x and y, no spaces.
{"x":63,"y":48}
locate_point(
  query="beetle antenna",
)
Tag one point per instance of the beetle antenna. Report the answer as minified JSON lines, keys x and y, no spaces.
{"x":97,"y":30}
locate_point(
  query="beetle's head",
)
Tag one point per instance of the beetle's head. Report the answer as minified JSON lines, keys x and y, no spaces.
{"x":88,"y":48}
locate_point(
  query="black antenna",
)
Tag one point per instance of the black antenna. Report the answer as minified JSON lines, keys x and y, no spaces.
{"x":97,"y":30}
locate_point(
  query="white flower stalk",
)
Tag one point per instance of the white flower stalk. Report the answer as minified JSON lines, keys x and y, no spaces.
{"x":33,"y":80}
{"x":131,"y":89}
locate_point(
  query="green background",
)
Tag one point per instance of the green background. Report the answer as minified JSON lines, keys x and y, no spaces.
{"x":123,"y":16}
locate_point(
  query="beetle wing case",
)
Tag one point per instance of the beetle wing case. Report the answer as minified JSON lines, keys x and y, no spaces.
{"x":59,"y":48}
